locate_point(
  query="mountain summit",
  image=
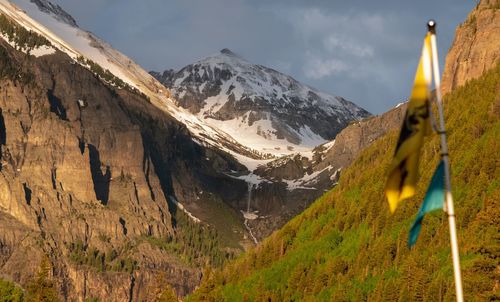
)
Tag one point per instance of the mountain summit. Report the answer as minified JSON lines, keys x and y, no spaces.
{"x":56,"y":11}
{"x":260,"y":107}
{"x":228,"y":52}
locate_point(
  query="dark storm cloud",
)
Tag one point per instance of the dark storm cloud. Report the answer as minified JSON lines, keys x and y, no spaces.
{"x":365,"y":51}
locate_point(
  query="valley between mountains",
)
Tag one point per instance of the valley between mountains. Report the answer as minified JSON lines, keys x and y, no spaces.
{"x":119,"y":184}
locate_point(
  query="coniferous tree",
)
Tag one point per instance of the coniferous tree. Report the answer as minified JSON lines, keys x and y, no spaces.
{"x":42,"y":288}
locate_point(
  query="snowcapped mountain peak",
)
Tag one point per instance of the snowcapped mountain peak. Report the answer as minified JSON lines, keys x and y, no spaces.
{"x":224,"y":58}
{"x":266,"y":110}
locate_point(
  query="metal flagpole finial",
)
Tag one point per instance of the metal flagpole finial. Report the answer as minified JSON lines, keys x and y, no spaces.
{"x":431,"y":26}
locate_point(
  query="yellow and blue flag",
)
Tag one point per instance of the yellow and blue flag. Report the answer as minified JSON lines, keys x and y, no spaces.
{"x":434,"y":199}
{"x":403,"y":171}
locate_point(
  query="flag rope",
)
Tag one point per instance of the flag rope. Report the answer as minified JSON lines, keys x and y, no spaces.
{"x":449,"y":208}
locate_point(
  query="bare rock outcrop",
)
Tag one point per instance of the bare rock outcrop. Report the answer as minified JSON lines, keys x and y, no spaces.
{"x":476,"y":47}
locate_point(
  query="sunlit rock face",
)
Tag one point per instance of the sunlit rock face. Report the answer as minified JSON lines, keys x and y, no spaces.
{"x":476,"y":47}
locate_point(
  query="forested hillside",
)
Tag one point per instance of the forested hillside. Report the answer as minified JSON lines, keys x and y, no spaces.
{"x":348,"y":247}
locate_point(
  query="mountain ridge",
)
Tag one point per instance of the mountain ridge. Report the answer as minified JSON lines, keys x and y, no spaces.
{"x":56,"y":10}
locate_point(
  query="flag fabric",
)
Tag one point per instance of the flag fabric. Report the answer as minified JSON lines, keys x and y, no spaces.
{"x":403,"y":170}
{"x":434,"y":199}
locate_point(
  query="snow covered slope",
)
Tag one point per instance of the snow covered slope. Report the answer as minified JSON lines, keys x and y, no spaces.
{"x":259,"y":106}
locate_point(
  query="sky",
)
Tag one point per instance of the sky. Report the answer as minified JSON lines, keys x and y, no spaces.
{"x":365,"y":51}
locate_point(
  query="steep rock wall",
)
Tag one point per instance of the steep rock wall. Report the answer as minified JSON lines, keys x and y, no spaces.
{"x":476,"y":47}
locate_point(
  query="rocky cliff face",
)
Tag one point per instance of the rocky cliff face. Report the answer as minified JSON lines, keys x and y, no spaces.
{"x":476,"y":47}
{"x":87,"y":171}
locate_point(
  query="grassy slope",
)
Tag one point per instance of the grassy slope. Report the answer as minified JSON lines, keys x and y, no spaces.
{"x":347,"y":246}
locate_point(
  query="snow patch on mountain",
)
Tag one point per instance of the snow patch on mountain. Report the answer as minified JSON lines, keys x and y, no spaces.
{"x":307,"y":181}
{"x":251,"y":179}
{"x":37,"y":52}
{"x":262,"y":136}
{"x":183,"y":208}
{"x":43,"y":50}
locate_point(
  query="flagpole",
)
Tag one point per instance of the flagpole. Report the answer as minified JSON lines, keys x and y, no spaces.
{"x":431,"y":25}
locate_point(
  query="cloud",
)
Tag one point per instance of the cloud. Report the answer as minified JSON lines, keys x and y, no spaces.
{"x":311,"y":21}
{"x":316,"y":67}
{"x":335,"y":43}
